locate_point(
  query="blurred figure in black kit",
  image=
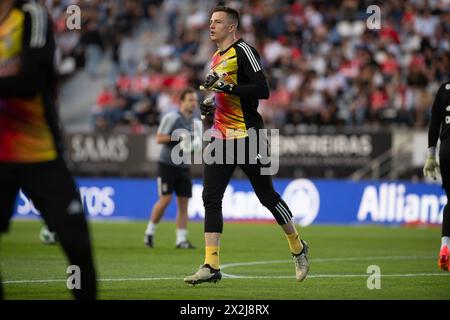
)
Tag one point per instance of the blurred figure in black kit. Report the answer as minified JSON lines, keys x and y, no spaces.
{"x":440,"y":129}
{"x":30,"y":140}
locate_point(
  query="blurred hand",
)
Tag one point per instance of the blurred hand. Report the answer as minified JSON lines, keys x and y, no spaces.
{"x":431,"y":167}
{"x":211,"y":80}
{"x":207,"y":107}
{"x":216,"y":83}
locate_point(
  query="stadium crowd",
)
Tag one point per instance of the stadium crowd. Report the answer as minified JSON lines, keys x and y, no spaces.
{"x":325,"y":66}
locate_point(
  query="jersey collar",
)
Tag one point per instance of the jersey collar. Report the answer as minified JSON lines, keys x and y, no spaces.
{"x":232,"y":45}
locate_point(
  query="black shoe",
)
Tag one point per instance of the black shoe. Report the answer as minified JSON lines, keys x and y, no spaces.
{"x":204,"y":274}
{"x":148,"y":240}
{"x":185,"y":245}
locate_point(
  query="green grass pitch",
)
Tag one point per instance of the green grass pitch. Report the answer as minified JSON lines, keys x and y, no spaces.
{"x":254,"y":255}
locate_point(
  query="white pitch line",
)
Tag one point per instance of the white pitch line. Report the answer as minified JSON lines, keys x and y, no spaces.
{"x":252,"y":263}
{"x":33,"y":281}
{"x":317,"y":276}
{"x":99,"y":280}
{"x":231,"y":276}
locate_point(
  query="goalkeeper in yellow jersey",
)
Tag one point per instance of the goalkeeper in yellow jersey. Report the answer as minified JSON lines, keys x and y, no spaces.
{"x":238,"y":80}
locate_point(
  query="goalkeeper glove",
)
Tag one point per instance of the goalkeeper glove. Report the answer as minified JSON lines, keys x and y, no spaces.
{"x":431,"y":167}
{"x":211,"y":79}
{"x":221,"y":86}
{"x":207,"y":107}
{"x":214,"y":82}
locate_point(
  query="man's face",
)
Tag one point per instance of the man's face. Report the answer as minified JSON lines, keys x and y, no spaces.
{"x":219,"y":27}
{"x":189,"y":103}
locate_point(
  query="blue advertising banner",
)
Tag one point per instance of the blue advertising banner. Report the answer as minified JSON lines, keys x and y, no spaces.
{"x":311,"y":201}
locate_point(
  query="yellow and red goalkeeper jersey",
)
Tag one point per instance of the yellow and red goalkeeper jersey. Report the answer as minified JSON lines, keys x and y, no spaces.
{"x":235,"y":113}
{"x":28,"y":122}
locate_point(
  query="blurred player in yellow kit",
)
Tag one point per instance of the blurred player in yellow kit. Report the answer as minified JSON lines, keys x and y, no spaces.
{"x":30,"y":139}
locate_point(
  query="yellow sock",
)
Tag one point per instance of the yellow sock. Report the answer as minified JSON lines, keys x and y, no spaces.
{"x":294,"y":243}
{"x":212,"y":256}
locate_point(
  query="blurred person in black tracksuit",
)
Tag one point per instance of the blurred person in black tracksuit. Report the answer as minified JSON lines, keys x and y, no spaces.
{"x":440,"y":129}
{"x":30,"y":139}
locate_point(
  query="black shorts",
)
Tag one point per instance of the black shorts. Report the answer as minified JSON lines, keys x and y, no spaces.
{"x":253,"y":158}
{"x":174,"y":179}
{"x":48,"y":184}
